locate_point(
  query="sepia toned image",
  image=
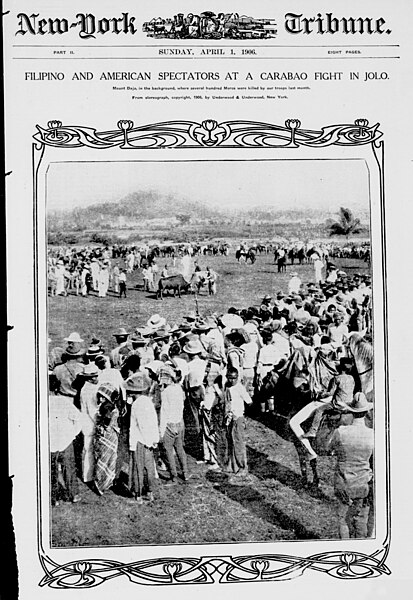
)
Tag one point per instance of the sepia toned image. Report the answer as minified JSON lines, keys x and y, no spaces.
{"x":210,"y":336}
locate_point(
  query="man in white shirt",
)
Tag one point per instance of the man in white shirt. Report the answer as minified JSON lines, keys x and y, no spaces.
{"x":294,"y":284}
{"x":318,"y":267}
{"x":143,"y":435}
{"x":171,"y":427}
{"x":64,"y":425}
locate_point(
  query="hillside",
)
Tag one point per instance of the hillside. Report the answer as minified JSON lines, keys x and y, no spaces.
{"x":137,"y":206}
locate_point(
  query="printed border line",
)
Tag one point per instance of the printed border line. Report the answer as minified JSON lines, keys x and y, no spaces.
{"x":83,"y":574}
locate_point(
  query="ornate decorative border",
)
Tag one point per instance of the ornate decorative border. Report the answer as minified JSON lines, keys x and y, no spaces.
{"x":213,"y":569}
{"x":207,"y":134}
{"x":89,"y":573}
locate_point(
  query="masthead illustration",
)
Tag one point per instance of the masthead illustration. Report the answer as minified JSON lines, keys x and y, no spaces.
{"x":209,"y":25}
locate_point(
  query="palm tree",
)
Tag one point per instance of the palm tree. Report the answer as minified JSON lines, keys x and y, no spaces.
{"x":346,"y":223}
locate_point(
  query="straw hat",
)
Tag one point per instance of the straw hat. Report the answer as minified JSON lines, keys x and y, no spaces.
{"x":137,"y":339}
{"x":138,"y":382}
{"x":359,"y":404}
{"x":193,"y":347}
{"x":74,"y":338}
{"x":205,"y":324}
{"x":144,"y":331}
{"x":94,"y":351}
{"x":73,"y":353}
{"x":231,"y":321}
{"x":156,"y":322}
{"x":161,"y":334}
{"x":90,"y":371}
{"x":121,"y":332}
{"x":154,"y":366}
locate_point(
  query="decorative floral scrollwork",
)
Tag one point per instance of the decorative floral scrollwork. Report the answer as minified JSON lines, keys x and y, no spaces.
{"x":362,"y":124}
{"x":210,"y":133}
{"x":260,"y":566}
{"x":293,"y":125}
{"x":125,"y":125}
{"x":172,"y":569}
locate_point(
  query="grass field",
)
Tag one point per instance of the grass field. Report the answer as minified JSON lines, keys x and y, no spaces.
{"x":271,"y":504}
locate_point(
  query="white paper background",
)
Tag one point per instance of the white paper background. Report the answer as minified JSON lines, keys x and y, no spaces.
{"x":95,"y":104}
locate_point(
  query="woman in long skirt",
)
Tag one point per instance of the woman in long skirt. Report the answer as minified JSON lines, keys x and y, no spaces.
{"x":106,"y":438}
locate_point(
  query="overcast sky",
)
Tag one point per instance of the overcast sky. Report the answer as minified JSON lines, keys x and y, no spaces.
{"x":295,"y":184}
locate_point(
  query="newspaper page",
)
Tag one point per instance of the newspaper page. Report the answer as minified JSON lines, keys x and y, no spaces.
{"x":208,"y":235}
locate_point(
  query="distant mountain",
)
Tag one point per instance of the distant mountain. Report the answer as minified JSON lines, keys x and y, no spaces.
{"x":143,"y":205}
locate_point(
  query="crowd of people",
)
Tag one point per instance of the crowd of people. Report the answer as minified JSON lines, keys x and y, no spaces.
{"x":130,"y":416}
{"x":94,"y":270}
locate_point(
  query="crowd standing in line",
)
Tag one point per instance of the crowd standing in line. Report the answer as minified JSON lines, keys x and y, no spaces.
{"x":132,"y":416}
{"x":89,"y":270}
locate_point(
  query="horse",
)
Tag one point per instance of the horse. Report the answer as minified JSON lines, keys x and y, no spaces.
{"x":294,"y":386}
{"x":361,"y":350}
{"x":250,"y":256}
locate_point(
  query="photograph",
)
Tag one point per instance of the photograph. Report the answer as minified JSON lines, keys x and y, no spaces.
{"x":210,"y":352}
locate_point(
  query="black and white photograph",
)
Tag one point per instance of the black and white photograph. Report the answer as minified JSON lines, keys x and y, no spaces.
{"x":210,"y":352}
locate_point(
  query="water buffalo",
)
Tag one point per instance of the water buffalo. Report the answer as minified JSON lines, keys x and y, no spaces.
{"x":174,"y":283}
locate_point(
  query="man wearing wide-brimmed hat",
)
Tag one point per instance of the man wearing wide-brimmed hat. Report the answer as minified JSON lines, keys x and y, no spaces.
{"x":94,"y":351}
{"x":353,"y":445}
{"x":162,"y":344}
{"x":140,"y":345}
{"x":74,"y":343}
{"x":118,"y":354}
{"x":195,"y":393}
{"x":267,"y":302}
{"x":65,"y":375}
{"x":143,"y":436}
